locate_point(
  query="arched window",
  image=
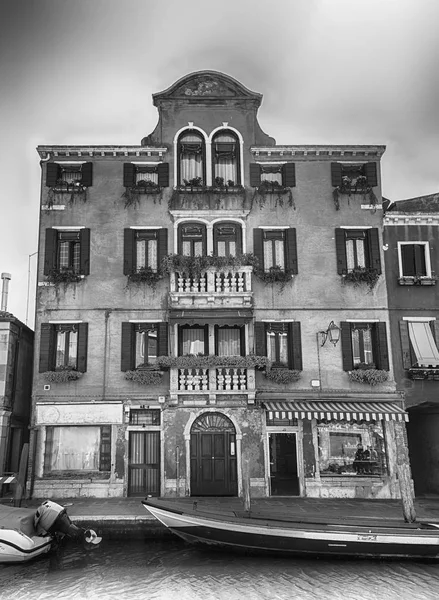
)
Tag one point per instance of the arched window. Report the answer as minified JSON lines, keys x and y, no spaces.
{"x":225,"y":159}
{"x":192,"y":239}
{"x":212,"y":422}
{"x":191,"y":159}
{"x":227,"y":239}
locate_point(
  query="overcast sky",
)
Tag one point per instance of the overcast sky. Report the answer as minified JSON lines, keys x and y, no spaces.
{"x":330,"y":71}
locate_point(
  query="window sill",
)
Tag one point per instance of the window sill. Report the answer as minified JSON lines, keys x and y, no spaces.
{"x":417,"y":280}
{"x":53,"y":207}
{"x":146,"y":190}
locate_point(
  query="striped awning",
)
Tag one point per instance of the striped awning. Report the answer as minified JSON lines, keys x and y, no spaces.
{"x":337,"y":411}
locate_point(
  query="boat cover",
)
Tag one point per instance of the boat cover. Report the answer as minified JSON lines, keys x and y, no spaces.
{"x":18,"y":518}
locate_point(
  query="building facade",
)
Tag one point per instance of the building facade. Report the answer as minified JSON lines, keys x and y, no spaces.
{"x":212,"y":312}
{"x":411,"y":235}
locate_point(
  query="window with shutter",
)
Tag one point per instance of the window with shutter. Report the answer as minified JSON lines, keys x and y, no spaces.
{"x":227,"y":239}
{"x":61,"y":455}
{"x":364,"y":346}
{"x":283,"y":344}
{"x":225,"y":159}
{"x":191,"y":157}
{"x":192,"y":239}
{"x":357,"y":250}
{"x":63,"y":347}
{"x":145,"y":177}
{"x":414,"y":260}
{"x":352,"y":178}
{"x":68,"y":176}
{"x":67,"y":253}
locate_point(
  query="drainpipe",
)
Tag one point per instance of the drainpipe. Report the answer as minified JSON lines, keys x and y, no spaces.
{"x":5,"y":285}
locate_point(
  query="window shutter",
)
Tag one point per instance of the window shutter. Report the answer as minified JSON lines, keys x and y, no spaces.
{"x":295,"y":346}
{"x":408,"y":259}
{"x":255,"y":175}
{"x":346,"y":346}
{"x":291,"y":250}
{"x":48,"y":450}
{"x":383,"y":352}
{"x":374,"y":249}
{"x":52,"y":174}
{"x":435,"y":330}
{"x":82,"y":346}
{"x":127,"y":348}
{"x":163,"y":174}
{"x":242,"y":341}
{"x":84,"y":238}
{"x":289,"y":174}
{"x":162,"y":245}
{"x":162,"y":341}
{"x":371,"y":174}
{"x":340,"y":249}
{"x":128,"y":251}
{"x":50,"y":250}
{"x":128,"y":174}
{"x":47,"y":346}
{"x":405,"y":344}
{"x":105,"y":449}
{"x":336,"y":174}
{"x":260,"y":339}
{"x":87,"y":174}
{"x":258,"y":249}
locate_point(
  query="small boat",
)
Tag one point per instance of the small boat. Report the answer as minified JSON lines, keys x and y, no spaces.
{"x":26,"y":533}
{"x":375,"y":539}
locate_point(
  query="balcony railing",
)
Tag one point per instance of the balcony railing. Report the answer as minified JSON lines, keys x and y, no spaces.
{"x":213,"y":380}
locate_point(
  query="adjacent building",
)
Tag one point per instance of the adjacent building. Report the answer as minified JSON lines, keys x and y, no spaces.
{"x":212,"y":312}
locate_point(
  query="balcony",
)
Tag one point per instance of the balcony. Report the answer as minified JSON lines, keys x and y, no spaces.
{"x":212,"y":383}
{"x":213,"y":287}
{"x":192,"y":198}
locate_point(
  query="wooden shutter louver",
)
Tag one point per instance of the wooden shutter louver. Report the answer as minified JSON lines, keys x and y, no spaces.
{"x":371,"y":174}
{"x":128,"y":250}
{"x":405,"y":344}
{"x":50,"y":250}
{"x":162,"y":245}
{"x":374,"y":249}
{"x":340,"y":249}
{"x":162,"y":339}
{"x":258,"y":249}
{"x":105,"y":449}
{"x":128,"y":174}
{"x":295,"y":346}
{"x":336,"y":174}
{"x":260,"y":339}
{"x":289,"y":174}
{"x":87,"y":174}
{"x":435,"y":330}
{"x":382,"y":347}
{"x":47,"y":346}
{"x":52,"y":174}
{"x":346,"y":346}
{"x":84,"y":236}
{"x":82,"y":347}
{"x":255,"y":175}
{"x":163,"y":174}
{"x":291,"y":250}
{"x":127,"y":347}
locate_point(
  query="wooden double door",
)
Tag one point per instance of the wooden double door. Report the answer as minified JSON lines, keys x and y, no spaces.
{"x":213,"y":457}
{"x":144,"y":463}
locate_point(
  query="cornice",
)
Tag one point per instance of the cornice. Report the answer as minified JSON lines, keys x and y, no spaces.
{"x":412,"y":219}
{"x":104,"y":151}
{"x":350,"y":153}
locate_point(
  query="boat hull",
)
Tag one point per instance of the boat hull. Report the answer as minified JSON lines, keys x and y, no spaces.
{"x":295,"y":538}
{"x":18,"y":547}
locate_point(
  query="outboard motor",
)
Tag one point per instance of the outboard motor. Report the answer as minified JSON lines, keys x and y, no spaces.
{"x":52,"y":518}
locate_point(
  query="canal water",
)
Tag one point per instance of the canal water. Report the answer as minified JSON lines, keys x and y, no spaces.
{"x":168,"y":569}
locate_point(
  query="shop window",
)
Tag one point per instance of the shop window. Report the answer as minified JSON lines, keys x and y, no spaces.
{"x":144,"y":249}
{"x":227,"y":239}
{"x":276,"y":249}
{"x":364,"y":345}
{"x":68,"y":174}
{"x":67,"y":251}
{"x":63,"y":346}
{"x":281,"y":343}
{"x":192,"y":239}
{"x":142,"y":343}
{"x":351,"y":449}
{"x":357,"y":248}
{"x":229,"y":341}
{"x":76,"y":449}
{"x":225,"y":159}
{"x":193,"y":339}
{"x":191,"y":159}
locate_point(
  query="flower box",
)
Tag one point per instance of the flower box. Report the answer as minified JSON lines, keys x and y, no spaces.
{"x":426,"y":373}
{"x":419,"y":280}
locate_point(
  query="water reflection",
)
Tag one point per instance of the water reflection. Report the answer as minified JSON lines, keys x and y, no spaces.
{"x":162,"y":570}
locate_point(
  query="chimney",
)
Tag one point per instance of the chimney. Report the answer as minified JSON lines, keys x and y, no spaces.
{"x":4,"y":304}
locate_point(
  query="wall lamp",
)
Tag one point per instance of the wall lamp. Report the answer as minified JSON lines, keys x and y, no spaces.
{"x":333,"y":333}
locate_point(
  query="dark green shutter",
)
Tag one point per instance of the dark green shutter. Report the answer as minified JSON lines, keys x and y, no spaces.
{"x":47,"y":347}
{"x":128,"y":251}
{"x":52,"y":174}
{"x":346,"y":346}
{"x":162,"y":245}
{"x":291,"y":250}
{"x":289,"y":174}
{"x":48,"y":450}
{"x":336,"y":174}
{"x":127,"y":348}
{"x":260,"y":339}
{"x":50,"y":250}
{"x":371,"y":174}
{"x":162,"y":339}
{"x":163,"y":174}
{"x":435,"y":330}
{"x":87,"y":174}
{"x":84,"y":240}
{"x":340,"y":249}
{"x":255,"y":175}
{"x":105,"y":449}
{"x":258,"y":248}
{"x":295,"y":346}
{"x":374,"y":249}
{"x":82,"y":347}
{"x":383,"y":352}
{"x":128,"y":174}
{"x":405,"y":344}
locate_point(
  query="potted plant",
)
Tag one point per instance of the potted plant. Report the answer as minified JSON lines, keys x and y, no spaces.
{"x":360,"y":275}
{"x":63,"y":275}
{"x":371,"y":376}
{"x":144,"y":186}
{"x":273,"y":188}
{"x":144,"y":376}
{"x":62,"y":374}
{"x":282,"y":376}
{"x":146,"y":275}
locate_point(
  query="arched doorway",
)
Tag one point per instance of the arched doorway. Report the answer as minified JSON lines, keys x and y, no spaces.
{"x":213,"y":456}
